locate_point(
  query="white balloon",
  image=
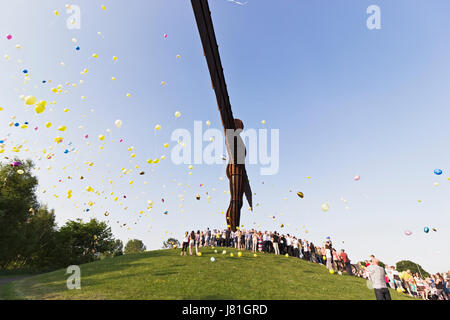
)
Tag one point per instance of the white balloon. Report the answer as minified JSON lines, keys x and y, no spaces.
{"x":118,"y":123}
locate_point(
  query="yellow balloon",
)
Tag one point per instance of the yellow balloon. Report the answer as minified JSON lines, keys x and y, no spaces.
{"x":30,"y":100}
{"x":39,"y":109}
{"x":62,"y":128}
{"x":101,"y":137}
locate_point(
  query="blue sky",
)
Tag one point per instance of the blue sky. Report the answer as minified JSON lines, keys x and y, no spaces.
{"x":347,"y":101}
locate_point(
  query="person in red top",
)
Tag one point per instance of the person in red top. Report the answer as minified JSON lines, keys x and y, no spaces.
{"x":346,"y":262}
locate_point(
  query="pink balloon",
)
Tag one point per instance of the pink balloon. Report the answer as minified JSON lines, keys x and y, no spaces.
{"x":408,"y":233}
{"x":165,"y":35}
{"x":9,"y":37}
{"x":356,"y":178}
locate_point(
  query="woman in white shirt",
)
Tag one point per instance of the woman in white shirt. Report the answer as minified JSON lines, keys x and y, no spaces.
{"x":191,"y":242}
{"x":185,"y":244}
{"x":328,"y":256}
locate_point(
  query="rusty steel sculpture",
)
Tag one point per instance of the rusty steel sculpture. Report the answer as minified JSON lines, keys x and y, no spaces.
{"x":236,"y":173}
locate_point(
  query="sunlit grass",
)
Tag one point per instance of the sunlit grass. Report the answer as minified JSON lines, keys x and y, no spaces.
{"x":164,"y":274}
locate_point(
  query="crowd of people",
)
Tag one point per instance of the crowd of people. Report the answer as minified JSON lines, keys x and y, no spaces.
{"x":434,"y":287}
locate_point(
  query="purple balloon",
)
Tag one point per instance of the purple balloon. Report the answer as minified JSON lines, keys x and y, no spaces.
{"x":16,"y":164}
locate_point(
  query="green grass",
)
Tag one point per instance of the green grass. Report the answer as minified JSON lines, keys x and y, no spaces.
{"x":164,"y":274}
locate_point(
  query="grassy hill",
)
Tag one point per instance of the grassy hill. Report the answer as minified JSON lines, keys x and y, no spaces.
{"x":163,"y":274}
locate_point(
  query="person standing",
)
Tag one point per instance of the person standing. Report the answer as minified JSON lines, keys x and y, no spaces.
{"x":227,"y":237}
{"x":346,"y":262}
{"x":275,"y":240}
{"x":191,"y":242}
{"x":328,"y":257}
{"x":197,"y":241}
{"x":185,"y":244}
{"x":254,"y":241}
{"x":376,"y":276}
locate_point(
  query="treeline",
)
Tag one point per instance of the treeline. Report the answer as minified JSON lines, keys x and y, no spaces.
{"x":29,"y":236}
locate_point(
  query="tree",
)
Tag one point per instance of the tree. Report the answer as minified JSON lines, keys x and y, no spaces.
{"x":134,"y":246}
{"x":169,"y":243}
{"x":41,"y":232}
{"x":117,"y":248}
{"x":17,"y":203}
{"x":410,"y":265}
{"x":29,"y":238}
{"x":80,"y":242}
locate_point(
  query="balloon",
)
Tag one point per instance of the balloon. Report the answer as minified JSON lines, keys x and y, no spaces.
{"x":115,"y":58}
{"x":286,"y":255}
{"x":438,"y":172}
{"x":356,"y":178}
{"x":434,"y":229}
{"x":58,"y":139}
{"x":239,"y":254}
{"x":331,"y":271}
{"x":325,"y":207}
{"x":224,"y":252}
{"x":118,"y":123}
{"x":62,"y":128}
{"x":9,"y":37}
{"x":165,"y":35}
{"x":212,"y":259}
{"x":263,"y":122}
{"x":20,"y":171}
{"x":30,"y":100}
{"x":408,"y":232}
{"x":255,"y":255}
{"x":158,"y":127}
{"x":197,"y":196}
{"x":177,"y":114}
{"x":101,"y":137}
{"x":231,"y":254}
{"x":77,"y":48}
{"x":208,"y":123}
{"x":426,"y":230}
{"x":300,"y":194}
